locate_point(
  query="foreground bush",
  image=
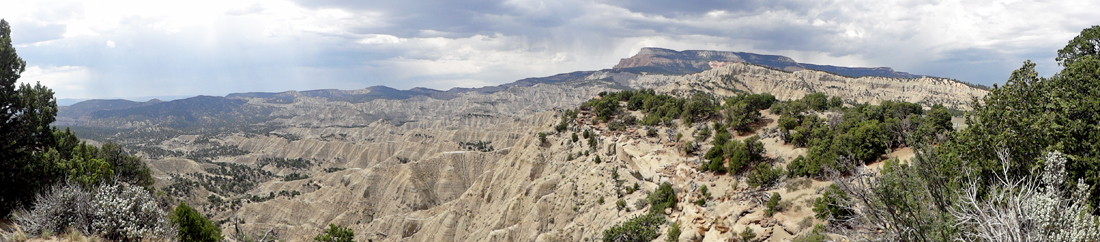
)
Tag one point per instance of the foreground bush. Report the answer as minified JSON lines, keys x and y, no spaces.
{"x":831,"y":206}
{"x":663,"y":197}
{"x":773,"y":205}
{"x":763,"y":175}
{"x":1031,"y":209}
{"x":1039,"y":207}
{"x":1002,"y":178}
{"x":748,"y":235}
{"x":63,"y":206}
{"x":125,"y":213}
{"x":1031,"y":115}
{"x":113,"y":211}
{"x":640,"y":228}
{"x":193,"y":226}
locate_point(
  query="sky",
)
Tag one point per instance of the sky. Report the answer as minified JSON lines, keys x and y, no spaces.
{"x":135,"y":49}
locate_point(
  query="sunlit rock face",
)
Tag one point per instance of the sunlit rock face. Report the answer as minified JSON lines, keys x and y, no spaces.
{"x":666,"y":61}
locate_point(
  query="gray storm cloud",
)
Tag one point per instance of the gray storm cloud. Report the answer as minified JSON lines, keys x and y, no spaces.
{"x":219,"y":47}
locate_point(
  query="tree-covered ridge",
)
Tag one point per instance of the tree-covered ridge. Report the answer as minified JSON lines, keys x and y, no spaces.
{"x":859,"y":134}
{"x":660,"y":109}
{"x":200,"y":112}
{"x":831,"y":130}
{"x":839,"y":138}
{"x":657,"y":108}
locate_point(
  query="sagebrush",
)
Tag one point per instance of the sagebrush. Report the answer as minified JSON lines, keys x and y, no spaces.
{"x":114,"y":211}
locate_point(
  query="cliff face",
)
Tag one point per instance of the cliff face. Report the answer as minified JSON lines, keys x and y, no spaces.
{"x":659,"y":60}
{"x":741,"y":77}
{"x":665,"y":61}
{"x":467,"y":164}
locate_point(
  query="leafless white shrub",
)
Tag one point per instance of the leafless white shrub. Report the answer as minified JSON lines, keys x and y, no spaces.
{"x":114,"y":211}
{"x":64,"y":206}
{"x":125,"y":212}
{"x":1030,"y":209}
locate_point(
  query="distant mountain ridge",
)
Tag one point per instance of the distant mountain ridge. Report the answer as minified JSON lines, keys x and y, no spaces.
{"x":666,"y":61}
{"x":383,"y":92}
{"x":718,"y":72}
{"x":80,"y":112}
{"x":651,"y":60}
{"x":83,"y":107}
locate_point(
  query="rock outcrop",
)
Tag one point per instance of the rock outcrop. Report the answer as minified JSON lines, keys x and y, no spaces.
{"x":739,"y":77}
{"x":666,"y":61}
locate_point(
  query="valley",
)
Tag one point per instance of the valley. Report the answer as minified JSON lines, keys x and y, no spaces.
{"x":488,"y":164}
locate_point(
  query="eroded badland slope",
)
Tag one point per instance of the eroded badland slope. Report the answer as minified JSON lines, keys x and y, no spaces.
{"x":469,"y":165}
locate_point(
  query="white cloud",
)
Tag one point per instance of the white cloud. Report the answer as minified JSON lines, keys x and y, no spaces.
{"x":66,"y":81}
{"x":381,"y":39}
{"x":222,"y":46}
{"x":106,"y":17}
{"x":473,"y":61}
{"x":435,"y":33}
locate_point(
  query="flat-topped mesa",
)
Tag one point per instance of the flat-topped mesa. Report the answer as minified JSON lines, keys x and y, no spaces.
{"x":666,"y":61}
{"x":692,"y":54}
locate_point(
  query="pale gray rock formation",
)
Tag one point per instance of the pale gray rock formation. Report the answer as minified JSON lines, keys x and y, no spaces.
{"x":397,"y":165}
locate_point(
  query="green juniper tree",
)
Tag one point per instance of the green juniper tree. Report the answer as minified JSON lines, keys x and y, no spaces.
{"x":193,"y":226}
{"x":1031,"y":115}
{"x":34,"y":155}
{"x":25,"y":115}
